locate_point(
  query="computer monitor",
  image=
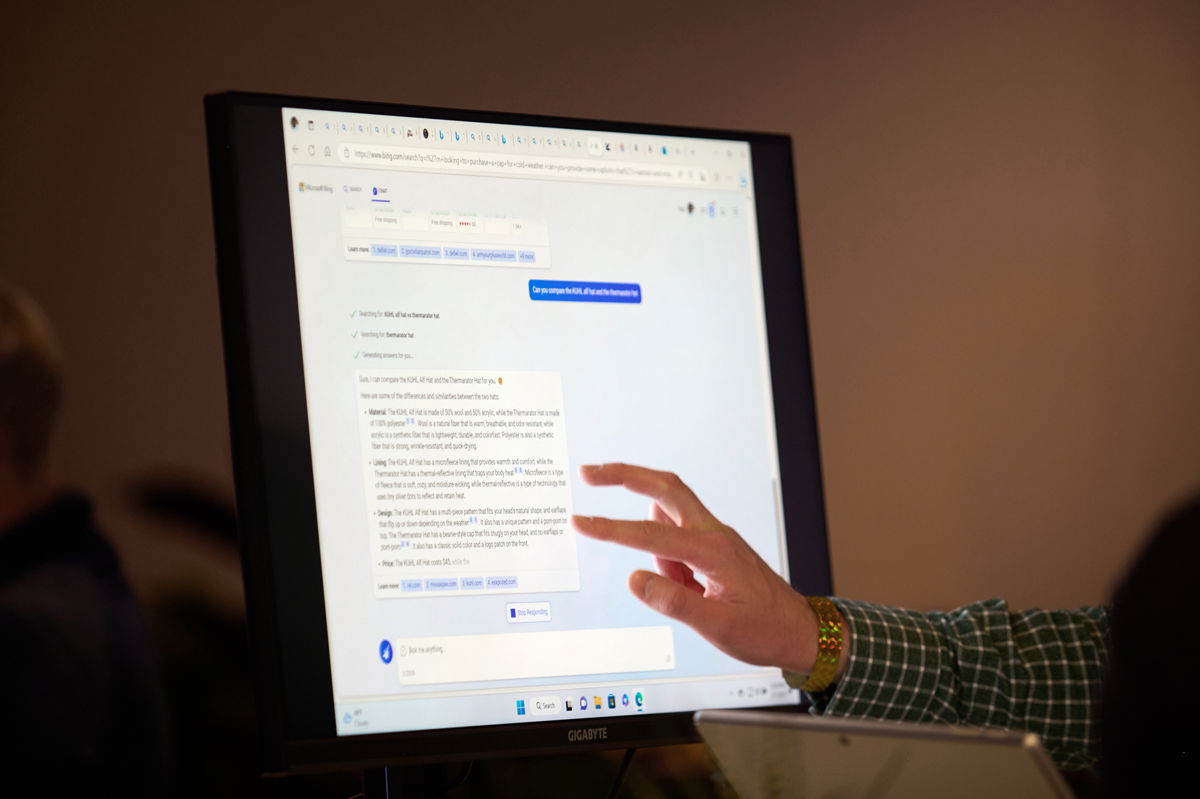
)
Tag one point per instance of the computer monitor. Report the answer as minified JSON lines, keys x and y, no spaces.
{"x":431,"y":319}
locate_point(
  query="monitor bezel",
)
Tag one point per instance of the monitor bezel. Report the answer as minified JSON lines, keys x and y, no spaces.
{"x":273,"y":465}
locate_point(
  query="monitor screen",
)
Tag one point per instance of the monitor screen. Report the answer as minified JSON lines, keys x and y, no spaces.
{"x":432,"y":319}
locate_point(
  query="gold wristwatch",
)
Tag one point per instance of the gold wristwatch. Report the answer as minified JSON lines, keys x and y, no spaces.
{"x":829,"y":648}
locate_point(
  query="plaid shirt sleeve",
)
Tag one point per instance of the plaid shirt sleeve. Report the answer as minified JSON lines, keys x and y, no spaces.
{"x":981,"y":665}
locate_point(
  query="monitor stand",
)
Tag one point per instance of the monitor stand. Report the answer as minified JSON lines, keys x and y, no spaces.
{"x":430,"y":781}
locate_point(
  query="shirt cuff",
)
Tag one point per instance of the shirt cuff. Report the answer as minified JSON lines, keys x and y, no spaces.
{"x":896,"y":670}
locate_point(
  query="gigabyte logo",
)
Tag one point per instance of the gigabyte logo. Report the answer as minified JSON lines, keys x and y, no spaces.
{"x":588,"y":734}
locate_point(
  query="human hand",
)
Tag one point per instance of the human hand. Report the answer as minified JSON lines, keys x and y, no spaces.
{"x":743,"y":607}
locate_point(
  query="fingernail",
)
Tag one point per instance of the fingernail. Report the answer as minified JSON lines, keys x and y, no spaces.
{"x":582,"y":519}
{"x":640,"y":582}
{"x":590,"y":467}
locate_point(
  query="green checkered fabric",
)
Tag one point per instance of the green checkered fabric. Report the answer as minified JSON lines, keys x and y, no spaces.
{"x":981,"y":665}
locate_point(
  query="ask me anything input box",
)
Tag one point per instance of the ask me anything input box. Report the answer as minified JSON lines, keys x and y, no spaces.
{"x":557,"y":653}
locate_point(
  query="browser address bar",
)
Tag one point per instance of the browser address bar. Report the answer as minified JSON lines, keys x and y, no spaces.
{"x":533,"y":166}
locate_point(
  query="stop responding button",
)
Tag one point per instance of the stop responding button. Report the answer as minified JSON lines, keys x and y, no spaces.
{"x":580,"y":291}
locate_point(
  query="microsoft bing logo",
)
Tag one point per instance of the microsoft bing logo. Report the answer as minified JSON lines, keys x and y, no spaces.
{"x":520,"y":707}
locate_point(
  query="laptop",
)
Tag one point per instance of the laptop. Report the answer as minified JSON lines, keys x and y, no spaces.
{"x":765,"y":754}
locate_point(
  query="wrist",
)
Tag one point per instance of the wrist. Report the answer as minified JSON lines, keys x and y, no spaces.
{"x":797,"y":636}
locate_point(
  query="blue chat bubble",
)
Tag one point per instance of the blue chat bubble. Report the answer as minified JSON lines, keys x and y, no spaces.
{"x":584,"y":291}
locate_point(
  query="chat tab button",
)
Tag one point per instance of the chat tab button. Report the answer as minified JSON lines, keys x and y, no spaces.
{"x":584,"y":291}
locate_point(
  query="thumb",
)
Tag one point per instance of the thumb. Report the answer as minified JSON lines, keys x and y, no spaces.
{"x":672,"y":600}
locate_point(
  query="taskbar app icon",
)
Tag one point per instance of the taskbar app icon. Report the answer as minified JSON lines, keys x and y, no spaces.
{"x":635,"y":701}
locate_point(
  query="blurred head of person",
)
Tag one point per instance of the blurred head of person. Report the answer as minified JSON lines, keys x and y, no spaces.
{"x":30,"y":399}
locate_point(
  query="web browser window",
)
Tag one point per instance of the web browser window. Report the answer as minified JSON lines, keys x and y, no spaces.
{"x":483,"y":309}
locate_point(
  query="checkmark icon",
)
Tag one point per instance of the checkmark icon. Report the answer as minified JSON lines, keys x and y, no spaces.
{"x":354,"y":334}
{"x":356,"y":355}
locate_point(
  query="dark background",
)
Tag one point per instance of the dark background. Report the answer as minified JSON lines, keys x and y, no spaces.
{"x":998,"y":207}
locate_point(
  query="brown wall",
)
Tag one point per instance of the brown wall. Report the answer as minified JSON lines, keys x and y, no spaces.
{"x":998,"y":201}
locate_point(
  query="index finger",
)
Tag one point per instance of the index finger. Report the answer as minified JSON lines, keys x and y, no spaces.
{"x":665,"y":488}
